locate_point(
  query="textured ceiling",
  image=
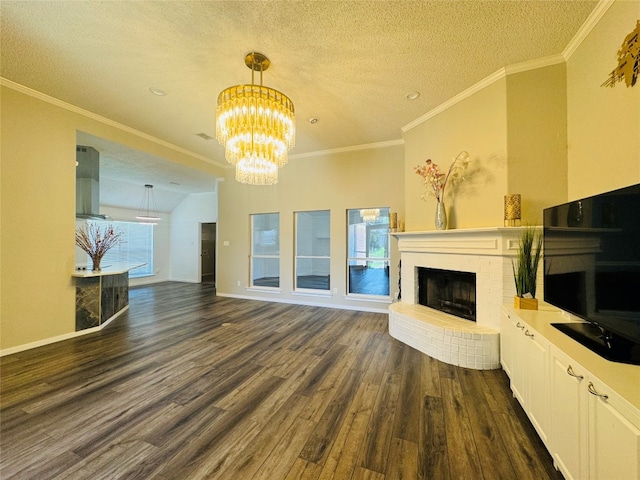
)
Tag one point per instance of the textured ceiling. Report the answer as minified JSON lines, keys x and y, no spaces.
{"x":348,"y":63}
{"x":124,"y":172}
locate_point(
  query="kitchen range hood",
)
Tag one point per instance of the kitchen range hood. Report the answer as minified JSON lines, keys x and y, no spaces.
{"x":88,"y":183}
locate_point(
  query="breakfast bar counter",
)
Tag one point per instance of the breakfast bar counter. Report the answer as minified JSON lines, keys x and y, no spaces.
{"x":101,"y":295}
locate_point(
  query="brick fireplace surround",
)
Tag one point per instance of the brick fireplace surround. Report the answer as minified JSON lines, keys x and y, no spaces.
{"x":487,"y":252}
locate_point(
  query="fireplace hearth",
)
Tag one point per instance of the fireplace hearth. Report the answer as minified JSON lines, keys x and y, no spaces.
{"x":485,"y":252}
{"x":449,"y":291}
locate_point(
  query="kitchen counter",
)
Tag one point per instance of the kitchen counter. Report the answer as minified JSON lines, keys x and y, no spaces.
{"x":115,"y":269}
{"x":101,"y":295}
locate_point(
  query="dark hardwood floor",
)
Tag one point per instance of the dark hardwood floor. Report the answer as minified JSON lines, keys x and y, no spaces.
{"x":187,"y":385}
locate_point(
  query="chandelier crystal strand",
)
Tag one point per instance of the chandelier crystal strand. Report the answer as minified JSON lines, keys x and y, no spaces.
{"x":256,"y":125}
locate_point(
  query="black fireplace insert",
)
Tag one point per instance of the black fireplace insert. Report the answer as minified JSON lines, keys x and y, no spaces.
{"x":448,"y":291}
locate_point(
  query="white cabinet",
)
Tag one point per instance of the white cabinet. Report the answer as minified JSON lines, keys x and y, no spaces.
{"x":535,"y":351}
{"x":526,"y":354}
{"x":614,"y":435}
{"x":507,"y":340}
{"x":569,"y":417}
{"x":590,"y":430}
{"x":593,"y":431}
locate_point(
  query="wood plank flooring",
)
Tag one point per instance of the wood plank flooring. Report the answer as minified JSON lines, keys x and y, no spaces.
{"x":187,"y":385}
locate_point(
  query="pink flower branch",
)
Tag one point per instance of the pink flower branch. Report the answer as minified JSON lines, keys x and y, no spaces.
{"x":435,"y":182}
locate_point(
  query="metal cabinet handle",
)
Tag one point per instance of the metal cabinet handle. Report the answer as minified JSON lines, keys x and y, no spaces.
{"x":528,"y":334}
{"x":573,"y":374}
{"x":593,"y":391}
{"x":520,"y":326}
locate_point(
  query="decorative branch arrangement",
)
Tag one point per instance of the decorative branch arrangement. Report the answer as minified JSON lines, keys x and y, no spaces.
{"x":97,"y":241}
{"x":435,"y":181}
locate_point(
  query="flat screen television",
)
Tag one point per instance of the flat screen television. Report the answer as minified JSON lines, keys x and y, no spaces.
{"x":592,"y":271}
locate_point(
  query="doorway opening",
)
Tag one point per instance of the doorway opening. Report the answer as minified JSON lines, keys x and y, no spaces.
{"x":208,"y":252}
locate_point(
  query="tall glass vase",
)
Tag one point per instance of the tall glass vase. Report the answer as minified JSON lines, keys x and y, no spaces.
{"x":96,"y":263}
{"x":441,"y":216}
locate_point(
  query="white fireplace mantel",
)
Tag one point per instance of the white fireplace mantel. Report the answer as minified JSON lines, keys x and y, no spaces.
{"x":487,"y":252}
{"x":497,"y":241}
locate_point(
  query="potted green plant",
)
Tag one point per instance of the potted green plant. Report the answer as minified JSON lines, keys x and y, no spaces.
{"x":525,"y":268}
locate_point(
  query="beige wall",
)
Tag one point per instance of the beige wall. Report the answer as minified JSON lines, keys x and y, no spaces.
{"x":37,"y":211}
{"x":515,"y":131}
{"x":478,"y":124}
{"x":335,"y":182}
{"x":537,"y":139}
{"x":38,"y":221}
{"x":603,"y":123}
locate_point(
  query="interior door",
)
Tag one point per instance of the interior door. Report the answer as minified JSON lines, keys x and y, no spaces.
{"x":208,"y":255}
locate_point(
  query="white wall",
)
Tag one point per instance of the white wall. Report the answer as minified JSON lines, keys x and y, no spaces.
{"x":185,"y":235}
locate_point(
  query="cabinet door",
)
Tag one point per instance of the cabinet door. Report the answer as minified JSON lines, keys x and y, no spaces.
{"x":519,"y":362}
{"x":614,"y":449}
{"x":568,"y":429}
{"x":507,"y":333}
{"x":536,"y":350}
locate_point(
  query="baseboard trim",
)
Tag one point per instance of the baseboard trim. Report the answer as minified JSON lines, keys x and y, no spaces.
{"x":60,"y":338}
{"x":309,"y":304}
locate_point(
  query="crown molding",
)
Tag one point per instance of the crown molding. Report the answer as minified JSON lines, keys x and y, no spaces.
{"x":592,"y":20}
{"x":502,"y":73}
{"x":353,"y":148}
{"x":85,"y":113}
{"x":494,"y":77}
{"x":534,"y":64}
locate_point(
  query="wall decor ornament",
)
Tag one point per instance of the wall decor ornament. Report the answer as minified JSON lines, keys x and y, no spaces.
{"x":628,"y":67}
{"x":435,"y":183}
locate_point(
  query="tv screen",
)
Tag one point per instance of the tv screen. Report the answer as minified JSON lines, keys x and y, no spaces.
{"x":592,"y":267}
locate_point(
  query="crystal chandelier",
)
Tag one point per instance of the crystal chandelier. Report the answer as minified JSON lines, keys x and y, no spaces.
{"x":256,"y":125}
{"x":370,"y":214}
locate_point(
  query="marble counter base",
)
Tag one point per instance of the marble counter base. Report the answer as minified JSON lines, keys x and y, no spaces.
{"x":100,"y":298}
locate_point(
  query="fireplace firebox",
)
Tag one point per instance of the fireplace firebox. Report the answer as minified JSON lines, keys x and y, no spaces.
{"x":448,"y":291}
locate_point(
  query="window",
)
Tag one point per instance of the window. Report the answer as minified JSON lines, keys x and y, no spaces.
{"x":265,"y":250}
{"x":136,"y":246}
{"x":368,"y":251}
{"x":312,"y":261}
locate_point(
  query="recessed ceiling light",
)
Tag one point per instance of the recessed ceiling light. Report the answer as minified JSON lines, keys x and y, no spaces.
{"x":157,"y":91}
{"x":413,"y":95}
{"x":314,"y":120}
